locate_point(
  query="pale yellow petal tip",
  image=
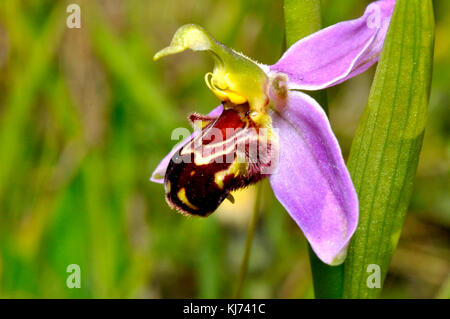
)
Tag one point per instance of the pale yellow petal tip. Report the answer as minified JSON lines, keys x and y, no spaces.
{"x":340,"y":257}
{"x":167,"y":51}
{"x":189,"y":36}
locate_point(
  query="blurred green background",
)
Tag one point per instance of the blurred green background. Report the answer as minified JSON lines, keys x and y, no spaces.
{"x":86,"y":115}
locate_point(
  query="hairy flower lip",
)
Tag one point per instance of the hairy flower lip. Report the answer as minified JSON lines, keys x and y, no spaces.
{"x":311,"y":180}
{"x":230,"y":152}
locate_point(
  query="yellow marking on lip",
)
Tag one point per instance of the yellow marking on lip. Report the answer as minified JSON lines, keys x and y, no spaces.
{"x":219,"y":177}
{"x":182,"y":197}
{"x":192,"y":173}
{"x":236,"y":169}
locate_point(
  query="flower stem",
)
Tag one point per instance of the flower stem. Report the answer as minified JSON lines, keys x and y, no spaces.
{"x":302,"y":17}
{"x":328,"y":280}
{"x":249,"y":240}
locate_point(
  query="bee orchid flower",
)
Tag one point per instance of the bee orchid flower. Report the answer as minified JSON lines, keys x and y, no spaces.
{"x":264,"y":109}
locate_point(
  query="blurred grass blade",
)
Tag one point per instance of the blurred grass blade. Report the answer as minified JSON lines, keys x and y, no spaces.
{"x":144,"y":91}
{"x":26,"y":82}
{"x":386,"y":148}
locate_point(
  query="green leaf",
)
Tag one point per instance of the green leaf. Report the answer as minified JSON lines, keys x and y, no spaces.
{"x":385,"y":151}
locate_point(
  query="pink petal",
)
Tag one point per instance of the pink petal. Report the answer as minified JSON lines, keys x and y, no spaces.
{"x":311,"y":180}
{"x":339,"y":52}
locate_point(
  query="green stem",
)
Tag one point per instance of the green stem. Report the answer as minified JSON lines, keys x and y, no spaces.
{"x":302,"y":17}
{"x":249,"y":240}
{"x":328,"y":280}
